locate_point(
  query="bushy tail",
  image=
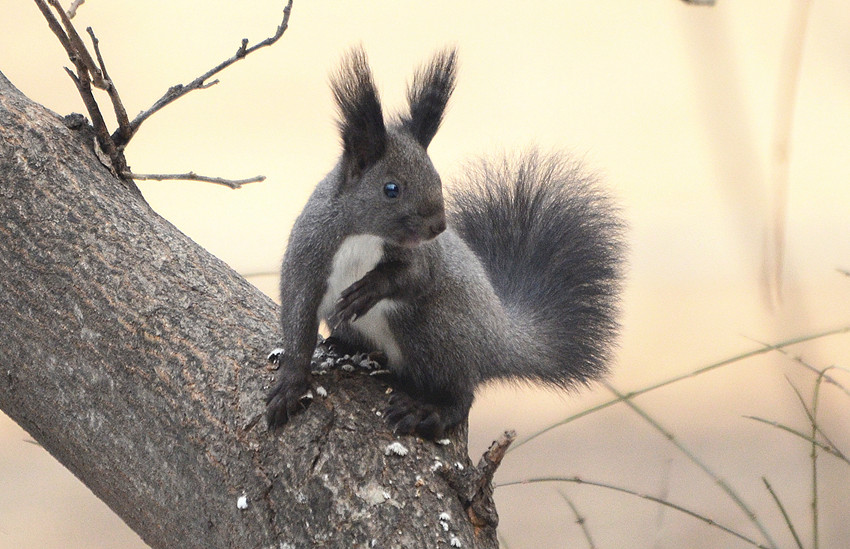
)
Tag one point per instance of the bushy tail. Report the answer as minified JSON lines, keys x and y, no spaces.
{"x":553,"y":247}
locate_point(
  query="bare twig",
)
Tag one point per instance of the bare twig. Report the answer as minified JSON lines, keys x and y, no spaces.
{"x":192,"y":176}
{"x":109,"y":86}
{"x":87,"y":74}
{"x":79,"y":55}
{"x":91,"y":74}
{"x":784,"y":513}
{"x":55,"y":27}
{"x":72,"y":10}
{"x":694,"y":514}
{"x":175,"y":92}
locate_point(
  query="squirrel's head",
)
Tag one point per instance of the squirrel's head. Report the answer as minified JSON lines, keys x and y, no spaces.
{"x":386,"y":175}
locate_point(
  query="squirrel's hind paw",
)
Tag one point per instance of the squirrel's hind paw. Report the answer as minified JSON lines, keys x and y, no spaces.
{"x":409,"y":416}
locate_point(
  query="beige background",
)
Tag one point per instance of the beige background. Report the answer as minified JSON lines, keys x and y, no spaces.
{"x":673,"y":105}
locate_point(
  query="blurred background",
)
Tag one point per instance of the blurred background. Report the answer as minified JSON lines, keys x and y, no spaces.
{"x":682,"y":110}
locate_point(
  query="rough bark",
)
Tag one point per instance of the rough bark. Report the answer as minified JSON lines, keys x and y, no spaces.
{"x":138,"y":360}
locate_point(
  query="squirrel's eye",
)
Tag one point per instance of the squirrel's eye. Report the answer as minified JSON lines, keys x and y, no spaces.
{"x":392,"y":190}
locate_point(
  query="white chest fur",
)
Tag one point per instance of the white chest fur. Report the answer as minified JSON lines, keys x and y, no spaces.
{"x":357,"y":256}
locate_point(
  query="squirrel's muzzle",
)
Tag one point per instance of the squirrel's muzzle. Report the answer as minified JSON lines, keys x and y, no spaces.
{"x":437,"y":225}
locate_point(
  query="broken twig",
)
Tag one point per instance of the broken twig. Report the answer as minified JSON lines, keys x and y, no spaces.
{"x":474,"y":486}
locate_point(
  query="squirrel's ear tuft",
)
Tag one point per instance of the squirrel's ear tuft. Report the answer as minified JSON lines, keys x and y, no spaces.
{"x":428,"y":95}
{"x":361,"y":121}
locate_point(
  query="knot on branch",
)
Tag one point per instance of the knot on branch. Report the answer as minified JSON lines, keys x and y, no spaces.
{"x":243,"y":49}
{"x":74,"y":121}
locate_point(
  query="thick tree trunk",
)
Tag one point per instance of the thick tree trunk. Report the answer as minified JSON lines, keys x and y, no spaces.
{"x":138,"y":360}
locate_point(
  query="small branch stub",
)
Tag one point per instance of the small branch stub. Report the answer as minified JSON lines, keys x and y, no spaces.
{"x":492,"y":458}
{"x":474,"y":485}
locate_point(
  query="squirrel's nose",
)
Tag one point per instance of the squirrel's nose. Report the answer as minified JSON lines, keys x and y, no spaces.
{"x":437,"y":226}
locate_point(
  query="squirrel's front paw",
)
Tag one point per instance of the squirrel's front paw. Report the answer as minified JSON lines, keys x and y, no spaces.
{"x":410,"y":416}
{"x":289,"y":396}
{"x":356,"y":300}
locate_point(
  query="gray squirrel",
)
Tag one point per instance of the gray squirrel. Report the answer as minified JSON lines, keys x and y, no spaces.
{"x":516,"y":278}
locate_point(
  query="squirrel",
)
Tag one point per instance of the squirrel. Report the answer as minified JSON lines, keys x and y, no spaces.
{"x":516,"y":277}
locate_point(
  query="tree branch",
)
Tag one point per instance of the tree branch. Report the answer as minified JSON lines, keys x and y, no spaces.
{"x":178,"y":91}
{"x":137,"y":359}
